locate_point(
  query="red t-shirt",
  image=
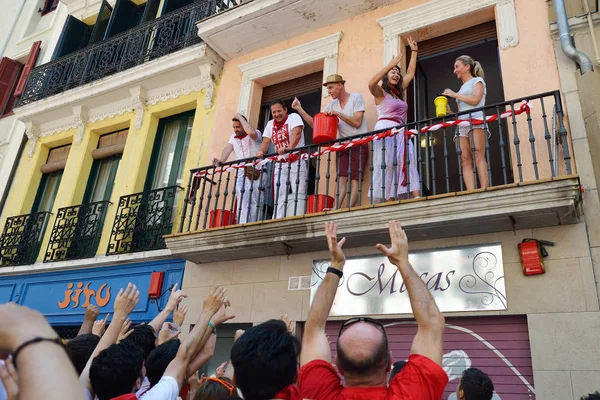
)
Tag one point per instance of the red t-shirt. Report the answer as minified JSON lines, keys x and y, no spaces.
{"x":420,"y":379}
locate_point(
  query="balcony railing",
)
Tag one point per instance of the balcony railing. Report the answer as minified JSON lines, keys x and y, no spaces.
{"x":77,"y":231}
{"x":526,"y":141}
{"x":22,"y":237}
{"x":142,"y":220}
{"x":165,"y":35}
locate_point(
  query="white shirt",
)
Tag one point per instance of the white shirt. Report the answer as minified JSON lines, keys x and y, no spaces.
{"x":166,"y":389}
{"x":467,"y":89}
{"x":355,"y":103}
{"x":281,"y":138}
{"x":246,"y":147}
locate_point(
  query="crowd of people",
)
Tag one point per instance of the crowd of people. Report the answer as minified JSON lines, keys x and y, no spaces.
{"x":394,"y":173}
{"x":267,"y":361}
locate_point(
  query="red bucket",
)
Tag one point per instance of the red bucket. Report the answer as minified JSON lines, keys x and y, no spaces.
{"x":220,"y":218}
{"x":325,"y":128}
{"x":323,"y":202}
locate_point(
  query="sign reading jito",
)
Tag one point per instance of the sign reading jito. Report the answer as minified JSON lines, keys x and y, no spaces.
{"x":469,"y":278}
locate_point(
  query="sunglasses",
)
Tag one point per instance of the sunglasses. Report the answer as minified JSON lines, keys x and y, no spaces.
{"x":227,"y":385}
{"x":372,"y":321}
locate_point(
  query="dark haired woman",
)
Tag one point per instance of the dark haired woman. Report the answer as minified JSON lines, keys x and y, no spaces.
{"x":391,"y":111}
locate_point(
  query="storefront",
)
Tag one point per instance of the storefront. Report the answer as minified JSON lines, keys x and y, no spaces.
{"x":63,"y":296}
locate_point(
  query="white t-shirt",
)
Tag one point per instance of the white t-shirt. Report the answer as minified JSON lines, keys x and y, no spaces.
{"x":166,"y":389}
{"x":355,"y":103}
{"x":467,"y":89}
{"x":245,"y":147}
{"x":281,"y":138}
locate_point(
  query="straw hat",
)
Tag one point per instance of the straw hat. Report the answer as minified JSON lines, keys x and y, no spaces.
{"x":335,"y":78}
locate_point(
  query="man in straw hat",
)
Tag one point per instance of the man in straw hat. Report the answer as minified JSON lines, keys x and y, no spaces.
{"x":349,"y":108}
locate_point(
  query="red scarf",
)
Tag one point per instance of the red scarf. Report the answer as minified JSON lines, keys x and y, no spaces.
{"x":279,"y":125}
{"x":394,"y":90}
{"x":240,"y":137}
{"x":289,"y":393}
{"x":128,"y":396}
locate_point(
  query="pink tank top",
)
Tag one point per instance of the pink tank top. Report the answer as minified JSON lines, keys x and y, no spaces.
{"x":392,"y":109}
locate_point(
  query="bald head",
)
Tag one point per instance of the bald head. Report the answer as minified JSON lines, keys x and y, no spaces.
{"x":362,"y":350}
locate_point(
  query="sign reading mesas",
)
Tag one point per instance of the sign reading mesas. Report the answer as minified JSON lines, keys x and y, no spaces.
{"x":469,"y":278}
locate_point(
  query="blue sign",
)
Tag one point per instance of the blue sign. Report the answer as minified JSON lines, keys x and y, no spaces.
{"x":63,"y":296}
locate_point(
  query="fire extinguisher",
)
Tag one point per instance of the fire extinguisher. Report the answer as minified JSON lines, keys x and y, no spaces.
{"x":532,"y":251}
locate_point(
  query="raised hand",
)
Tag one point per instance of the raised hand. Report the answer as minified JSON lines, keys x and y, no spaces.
{"x":179,"y":314}
{"x":125,"y":330}
{"x":100,"y":326}
{"x":238,"y":334}
{"x":213,"y":302}
{"x":19,"y":324}
{"x":168,"y":332}
{"x":296,"y":104}
{"x":175,"y":298}
{"x":397,"y":253}
{"x":288,"y":323}
{"x":126,"y":300}
{"x":412,"y":44}
{"x":338,"y":258}
{"x":396,"y":60}
{"x":221,"y":315}
{"x":91,"y":313}
{"x":221,"y":370}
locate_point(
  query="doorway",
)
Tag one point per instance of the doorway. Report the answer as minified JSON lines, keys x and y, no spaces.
{"x":434,"y":74}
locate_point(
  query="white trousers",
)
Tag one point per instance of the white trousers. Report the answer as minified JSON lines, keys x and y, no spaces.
{"x":288,"y":187}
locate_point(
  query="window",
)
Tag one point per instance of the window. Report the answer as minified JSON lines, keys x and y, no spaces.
{"x":107,"y":158}
{"x":49,"y":6}
{"x":170,"y":151}
{"x":52,"y":175}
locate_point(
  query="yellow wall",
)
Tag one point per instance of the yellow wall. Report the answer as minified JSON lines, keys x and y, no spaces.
{"x":132,"y":170}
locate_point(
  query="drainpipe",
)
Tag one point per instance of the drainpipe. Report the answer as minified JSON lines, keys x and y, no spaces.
{"x":584,"y":62}
{"x":13,"y":25}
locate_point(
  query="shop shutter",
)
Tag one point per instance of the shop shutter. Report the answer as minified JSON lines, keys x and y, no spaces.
{"x":150,"y":10}
{"x":499,"y":346}
{"x":33,"y":55}
{"x":101,"y":23}
{"x":9,"y":72}
{"x":75,"y":35}
{"x":126,"y":15}
{"x":110,"y":145}
{"x":458,"y":39}
{"x":293,"y":88}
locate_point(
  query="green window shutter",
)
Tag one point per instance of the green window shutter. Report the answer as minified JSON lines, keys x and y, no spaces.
{"x":75,"y":35}
{"x":172,"y":5}
{"x":125,"y":16}
{"x":150,"y":10}
{"x":101,"y":23}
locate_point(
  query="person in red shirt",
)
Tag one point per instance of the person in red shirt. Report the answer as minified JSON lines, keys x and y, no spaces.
{"x":363,"y":355}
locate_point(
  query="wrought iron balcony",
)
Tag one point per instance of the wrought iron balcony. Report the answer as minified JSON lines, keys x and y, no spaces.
{"x":22,"y":237}
{"x":142,"y":220}
{"x":527,"y":142}
{"x":151,"y":40}
{"x":77,"y":231}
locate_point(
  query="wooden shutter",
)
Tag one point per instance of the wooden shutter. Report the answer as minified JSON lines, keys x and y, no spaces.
{"x":33,"y":55}
{"x":457,"y":39}
{"x":101,"y":23}
{"x":293,"y":88}
{"x":57,"y":159}
{"x":126,"y":15}
{"x":150,"y":10}
{"x":75,"y":35}
{"x":9,"y":73}
{"x":172,"y":5}
{"x":110,"y":145}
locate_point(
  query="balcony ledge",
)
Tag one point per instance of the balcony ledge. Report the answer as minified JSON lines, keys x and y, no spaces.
{"x":503,"y":208}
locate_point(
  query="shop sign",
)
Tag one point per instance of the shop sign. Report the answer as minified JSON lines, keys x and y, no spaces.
{"x":468,"y":278}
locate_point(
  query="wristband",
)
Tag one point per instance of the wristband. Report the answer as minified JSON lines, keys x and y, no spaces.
{"x":213,"y":327}
{"x":335,"y":271}
{"x":33,"y":341}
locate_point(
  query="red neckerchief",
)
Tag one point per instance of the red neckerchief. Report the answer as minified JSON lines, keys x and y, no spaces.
{"x":289,"y":393}
{"x":240,"y":137}
{"x":128,"y":396}
{"x":394,"y":90}
{"x":279,"y":125}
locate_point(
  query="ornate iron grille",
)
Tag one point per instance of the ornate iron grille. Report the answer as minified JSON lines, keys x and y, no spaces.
{"x":22,"y":237}
{"x":153,"y":39}
{"x":142,"y":220}
{"x":76,"y":232}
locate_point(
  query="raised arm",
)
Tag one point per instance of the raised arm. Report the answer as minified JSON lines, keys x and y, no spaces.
{"x":412,"y":65}
{"x":472,"y":99}
{"x":298,"y":107}
{"x":125,"y":302}
{"x":247,"y":127}
{"x":428,"y":341}
{"x":174,"y":299}
{"x":91,"y":314}
{"x":315,"y":345}
{"x":374,"y":87}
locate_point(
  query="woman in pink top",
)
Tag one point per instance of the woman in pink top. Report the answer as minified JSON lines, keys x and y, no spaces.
{"x":391,"y":111}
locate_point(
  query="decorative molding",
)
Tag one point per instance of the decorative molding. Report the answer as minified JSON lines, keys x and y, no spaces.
{"x":80,"y":118}
{"x":32,"y":130}
{"x":435,"y":11}
{"x":209,"y":74}
{"x":139,"y":98}
{"x":326,"y":49}
{"x":174,"y":93}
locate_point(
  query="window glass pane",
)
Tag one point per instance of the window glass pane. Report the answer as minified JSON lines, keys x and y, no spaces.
{"x":49,"y":195}
{"x":186,"y":145}
{"x":166,"y":155}
{"x":102,"y":186}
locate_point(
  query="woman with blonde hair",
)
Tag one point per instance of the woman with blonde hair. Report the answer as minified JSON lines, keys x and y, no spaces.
{"x":471,"y":95}
{"x":392,"y":111}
